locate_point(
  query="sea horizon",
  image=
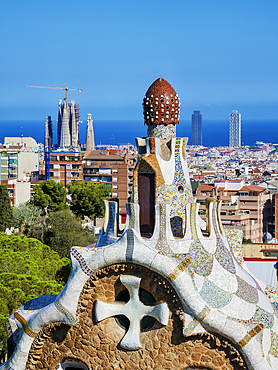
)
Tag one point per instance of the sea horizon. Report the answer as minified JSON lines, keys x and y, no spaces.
{"x":117,"y":132}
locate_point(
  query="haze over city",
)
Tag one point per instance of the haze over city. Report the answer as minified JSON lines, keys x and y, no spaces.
{"x":218,"y":55}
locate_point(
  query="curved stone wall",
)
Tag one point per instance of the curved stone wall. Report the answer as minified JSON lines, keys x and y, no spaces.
{"x":97,"y":344}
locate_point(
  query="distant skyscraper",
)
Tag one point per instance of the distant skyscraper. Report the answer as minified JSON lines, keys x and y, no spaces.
{"x":68,"y":124}
{"x":235,"y":129}
{"x":90,"y":137}
{"x":196,"y":131}
{"x":48,"y":132}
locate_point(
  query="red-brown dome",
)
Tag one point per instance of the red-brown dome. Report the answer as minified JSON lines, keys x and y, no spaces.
{"x":161,"y":104}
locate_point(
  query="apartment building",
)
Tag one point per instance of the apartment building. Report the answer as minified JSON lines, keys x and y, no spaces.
{"x":111,"y":169}
{"x":65,"y":166}
{"x":20,"y":191}
{"x":245,"y":207}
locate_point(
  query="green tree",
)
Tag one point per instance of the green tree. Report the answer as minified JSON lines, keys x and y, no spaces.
{"x":26,"y":215}
{"x":64,"y":230}
{"x":28,"y":256}
{"x":28,"y":269}
{"x":87,"y":198}
{"x":244,"y":240}
{"x":50,"y":196}
{"x":6,"y":211}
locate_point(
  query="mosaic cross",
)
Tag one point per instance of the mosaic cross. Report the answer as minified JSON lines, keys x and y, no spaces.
{"x":134,"y":310}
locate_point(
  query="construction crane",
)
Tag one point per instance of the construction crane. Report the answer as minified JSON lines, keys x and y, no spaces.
{"x":57,"y":88}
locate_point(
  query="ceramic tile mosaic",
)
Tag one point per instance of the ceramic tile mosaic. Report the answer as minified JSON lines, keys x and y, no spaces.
{"x":251,"y":334}
{"x":81,"y":261}
{"x":130,"y":245}
{"x":222,"y":255}
{"x":162,"y":131}
{"x":66,"y":312}
{"x":263,"y":317}
{"x":162,"y":244}
{"x":22,"y":320}
{"x":202,"y":261}
{"x":272,"y":295}
{"x":274,"y":344}
{"x":235,"y":241}
{"x":197,"y":320}
{"x":8,"y":367}
{"x":131,"y":213}
{"x":180,"y":268}
{"x":246,"y":291}
{"x":214,"y":296}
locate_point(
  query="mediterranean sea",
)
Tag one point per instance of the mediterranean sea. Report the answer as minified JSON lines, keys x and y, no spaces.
{"x":215,"y":132}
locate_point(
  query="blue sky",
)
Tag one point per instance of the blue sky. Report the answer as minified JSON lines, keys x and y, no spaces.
{"x":218,"y":55}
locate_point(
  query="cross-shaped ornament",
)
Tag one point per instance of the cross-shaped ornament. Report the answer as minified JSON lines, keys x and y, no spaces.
{"x":134,"y":310}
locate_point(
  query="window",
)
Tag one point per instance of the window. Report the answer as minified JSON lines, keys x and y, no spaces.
{"x":106,"y":179}
{"x":75,"y":166}
{"x":115,"y":186}
{"x":107,"y":171}
{"x":89,"y":163}
{"x":115,"y":179}
{"x":103,"y":163}
{"x":114,"y":195}
{"x":115,"y":170}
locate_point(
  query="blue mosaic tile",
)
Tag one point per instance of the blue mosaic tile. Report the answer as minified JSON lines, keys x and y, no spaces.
{"x":263,"y":317}
{"x":215,"y":296}
{"x":81,"y":261}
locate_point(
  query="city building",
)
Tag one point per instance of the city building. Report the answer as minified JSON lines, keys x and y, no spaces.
{"x":19,"y":157}
{"x":65,"y":166}
{"x":90,"y":137}
{"x":235,"y":129}
{"x":48,"y":132}
{"x":244,"y":207}
{"x":68,"y":125}
{"x":19,"y":191}
{"x":111,"y":169}
{"x":196,"y":128}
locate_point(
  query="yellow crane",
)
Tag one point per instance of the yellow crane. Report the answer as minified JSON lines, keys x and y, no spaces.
{"x":57,"y":88}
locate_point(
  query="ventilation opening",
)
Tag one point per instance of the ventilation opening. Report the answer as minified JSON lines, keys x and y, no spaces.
{"x":69,"y":364}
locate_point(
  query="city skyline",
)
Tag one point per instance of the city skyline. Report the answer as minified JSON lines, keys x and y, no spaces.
{"x":226,"y":63}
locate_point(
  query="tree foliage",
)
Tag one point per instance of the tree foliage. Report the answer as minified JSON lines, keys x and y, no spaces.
{"x":50,"y":196}
{"x":28,"y":269}
{"x":26,"y":215}
{"x":22,"y":255}
{"x":87,"y":198}
{"x":64,"y":230}
{"x":6,"y":211}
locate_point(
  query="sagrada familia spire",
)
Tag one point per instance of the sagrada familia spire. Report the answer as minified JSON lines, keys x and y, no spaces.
{"x":68,"y":124}
{"x":90,"y":137}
